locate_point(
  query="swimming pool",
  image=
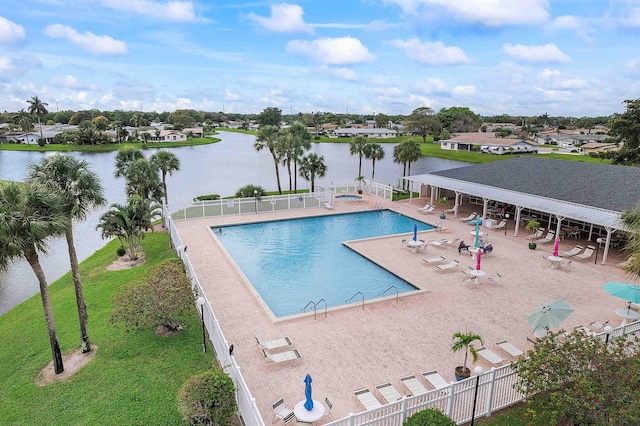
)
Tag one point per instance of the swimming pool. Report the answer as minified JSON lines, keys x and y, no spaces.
{"x":293,"y":262}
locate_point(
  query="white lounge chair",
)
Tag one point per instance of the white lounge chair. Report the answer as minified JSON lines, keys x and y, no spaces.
{"x":274,"y":344}
{"x":428,"y":208}
{"x":501,"y":225}
{"x":436,"y":380}
{"x":588,"y":252}
{"x":453,"y":264}
{"x":509,"y":348}
{"x":434,"y":259}
{"x":495,"y":278}
{"x":282,"y":412}
{"x":577,"y":249}
{"x":468,"y":218}
{"x":537,"y":235}
{"x":597,"y":325}
{"x":551,"y":236}
{"x":389,"y":393}
{"x":413,"y":384}
{"x":367,"y":399}
{"x":489,"y":355}
{"x":282,"y":356}
{"x":437,"y":243}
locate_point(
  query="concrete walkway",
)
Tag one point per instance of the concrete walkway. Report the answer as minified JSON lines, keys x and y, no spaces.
{"x":354,"y":348}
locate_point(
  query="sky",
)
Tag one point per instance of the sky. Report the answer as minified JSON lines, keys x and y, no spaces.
{"x":520,"y":57}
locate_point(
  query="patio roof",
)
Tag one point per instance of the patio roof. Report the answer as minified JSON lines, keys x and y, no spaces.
{"x":588,"y":192}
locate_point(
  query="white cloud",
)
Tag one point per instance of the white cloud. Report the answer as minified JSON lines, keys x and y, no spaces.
{"x":16,"y":67}
{"x":433,"y":85}
{"x":230,"y":96}
{"x":546,"y":53}
{"x":464,"y":90}
{"x":625,"y":13}
{"x":87,"y":41}
{"x":285,"y":18}
{"x":343,"y":73}
{"x":493,"y":13}
{"x":580,"y":26}
{"x":334,"y":51}
{"x":633,"y":66}
{"x":431,"y":53}
{"x":71,"y":82}
{"x":176,"y":11}
{"x":556,"y":80}
{"x":10,"y":32}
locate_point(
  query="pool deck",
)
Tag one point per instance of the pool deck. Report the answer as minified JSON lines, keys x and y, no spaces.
{"x":356,"y":348}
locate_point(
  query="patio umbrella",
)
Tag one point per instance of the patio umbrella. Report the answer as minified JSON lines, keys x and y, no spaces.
{"x":629,"y":292}
{"x":308,"y":404}
{"x":415,"y":232}
{"x":478,"y":256}
{"x":556,"y":246}
{"x":475,"y":244}
{"x":549,"y":315}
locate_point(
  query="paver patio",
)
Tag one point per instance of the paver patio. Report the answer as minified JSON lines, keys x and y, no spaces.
{"x":354,"y":348}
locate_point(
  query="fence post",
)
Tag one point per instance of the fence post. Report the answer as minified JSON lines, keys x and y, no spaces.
{"x":450,"y":401}
{"x":403,"y":417}
{"x":490,"y":391}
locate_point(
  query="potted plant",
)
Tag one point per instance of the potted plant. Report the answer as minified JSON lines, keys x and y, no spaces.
{"x":465,"y":341}
{"x":532,"y":227}
{"x":444,"y":203}
{"x":360,"y":180}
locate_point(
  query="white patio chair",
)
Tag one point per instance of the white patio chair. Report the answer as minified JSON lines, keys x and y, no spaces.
{"x":389,"y":393}
{"x":438,"y":259}
{"x":588,"y":252}
{"x":274,"y":344}
{"x":468,"y":218}
{"x":453,"y":264}
{"x":489,"y":355}
{"x":282,"y":356}
{"x":495,"y":278}
{"x":577,"y":249}
{"x":281,"y":411}
{"x":436,"y":380}
{"x":551,"y":236}
{"x":329,"y":405}
{"x":367,"y":399}
{"x":509,"y":348}
{"x":501,"y":225}
{"x":413,"y":384}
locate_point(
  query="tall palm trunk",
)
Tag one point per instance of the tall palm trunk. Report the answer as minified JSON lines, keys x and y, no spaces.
{"x":373,"y":170}
{"x":289,"y":170}
{"x":275,"y":161}
{"x":295,"y":176}
{"x":164,"y":188}
{"x":32,"y":257}
{"x":77,"y":284}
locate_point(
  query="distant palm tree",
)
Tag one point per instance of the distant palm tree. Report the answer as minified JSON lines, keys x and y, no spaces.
{"x":80,"y":191}
{"x":300,"y":143}
{"x":39,"y":108}
{"x":267,"y":138}
{"x":405,"y":153}
{"x":311,"y":166}
{"x":25,"y":121}
{"x":167,"y":163}
{"x":143,"y":179}
{"x":373,"y":152}
{"x":356,"y":147}
{"x":29,"y":215}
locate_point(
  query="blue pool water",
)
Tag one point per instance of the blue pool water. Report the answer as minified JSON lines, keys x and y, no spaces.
{"x":293,"y":262}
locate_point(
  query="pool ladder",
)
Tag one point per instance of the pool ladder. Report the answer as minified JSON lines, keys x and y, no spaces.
{"x":378,"y":206}
{"x":397,"y":292}
{"x":358,"y":293}
{"x":315,"y":306}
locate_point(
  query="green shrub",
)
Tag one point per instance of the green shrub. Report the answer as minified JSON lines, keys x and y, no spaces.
{"x":121,"y":251}
{"x":208,"y":398}
{"x":207,"y":197}
{"x":430,"y":417}
{"x":41,"y":142}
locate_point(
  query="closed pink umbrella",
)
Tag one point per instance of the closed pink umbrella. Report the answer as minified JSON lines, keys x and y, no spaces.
{"x":556,"y":246}
{"x":478,"y":256}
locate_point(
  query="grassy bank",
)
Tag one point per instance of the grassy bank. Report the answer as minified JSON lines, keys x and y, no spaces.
{"x":104,"y":148}
{"x":134,"y":377}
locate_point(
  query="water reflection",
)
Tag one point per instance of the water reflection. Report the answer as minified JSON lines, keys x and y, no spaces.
{"x":220,"y":168}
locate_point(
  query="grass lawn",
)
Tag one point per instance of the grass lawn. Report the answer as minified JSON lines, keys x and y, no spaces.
{"x":134,"y":377}
{"x":104,"y":148}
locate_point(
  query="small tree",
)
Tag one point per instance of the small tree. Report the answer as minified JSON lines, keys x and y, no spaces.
{"x":208,"y":398}
{"x":582,"y":380}
{"x":162,"y":299}
{"x":464,"y":341}
{"x":248,"y":191}
{"x":430,"y":417}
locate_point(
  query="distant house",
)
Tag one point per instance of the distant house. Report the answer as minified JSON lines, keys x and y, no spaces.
{"x":164,"y":135}
{"x":197,"y":132}
{"x":566,"y":140}
{"x":488,"y":143}
{"x":371,"y":133}
{"x":588,"y":148}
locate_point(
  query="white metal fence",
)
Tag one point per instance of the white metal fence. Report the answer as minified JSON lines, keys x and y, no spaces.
{"x":495,"y":388}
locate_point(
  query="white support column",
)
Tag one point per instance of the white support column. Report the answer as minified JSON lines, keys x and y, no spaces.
{"x":432,"y":194}
{"x":485,"y":202}
{"x":517,"y":219}
{"x":560,"y":219}
{"x":456,"y":204}
{"x":606,"y":244}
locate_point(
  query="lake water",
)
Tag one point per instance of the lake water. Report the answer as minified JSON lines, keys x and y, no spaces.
{"x":220,"y":168}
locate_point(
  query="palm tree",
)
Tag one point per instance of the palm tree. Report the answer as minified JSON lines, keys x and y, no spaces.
{"x":29,"y":214}
{"x":167,"y":162}
{"x":80,"y":191}
{"x":300,"y":143}
{"x":128,"y":222}
{"x":37,"y":107}
{"x":373,"y":152}
{"x":124,"y":157}
{"x":25,"y":121}
{"x":465,"y":341}
{"x":311,"y":166}
{"x":405,"y":153}
{"x":631,"y":220}
{"x":357,"y":147}
{"x":143,"y":179}
{"x":267,"y":138}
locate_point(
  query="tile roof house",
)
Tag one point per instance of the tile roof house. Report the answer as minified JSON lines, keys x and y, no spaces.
{"x":488,"y":143}
{"x":371,"y":133}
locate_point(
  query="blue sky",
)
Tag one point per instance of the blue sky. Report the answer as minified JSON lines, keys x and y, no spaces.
{"x":521,"y":57}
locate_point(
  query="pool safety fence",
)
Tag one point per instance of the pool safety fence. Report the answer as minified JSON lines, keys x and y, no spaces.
{"x":495,"y":388}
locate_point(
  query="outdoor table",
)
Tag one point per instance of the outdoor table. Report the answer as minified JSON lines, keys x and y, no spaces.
{"x":414,"y":245}
{"x":308,"y":416}
{"x":477,"y":274}
{"x":627,"y":314}
{"x":555,"y":261}
{"x":479,"y":233}
{"x":540,"y":333}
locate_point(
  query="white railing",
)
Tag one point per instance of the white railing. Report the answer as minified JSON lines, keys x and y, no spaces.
{"x":246,"y":402}
{"x":495,"y":388}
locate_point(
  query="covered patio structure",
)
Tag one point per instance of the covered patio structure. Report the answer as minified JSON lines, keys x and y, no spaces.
{"x":589,"y":194}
